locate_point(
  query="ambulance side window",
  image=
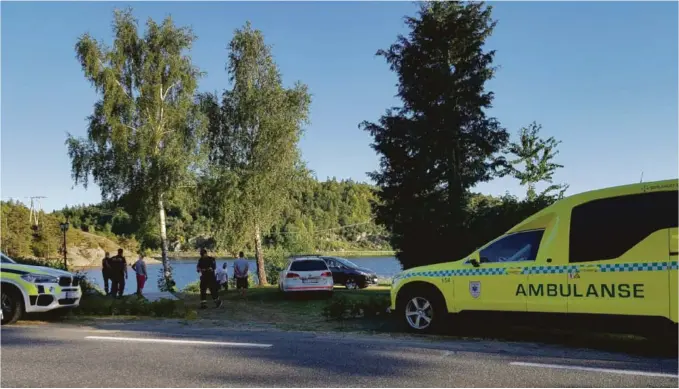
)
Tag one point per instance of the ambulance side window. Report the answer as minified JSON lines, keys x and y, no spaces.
{"x":605,"y":229}
{"x":518,"y":247}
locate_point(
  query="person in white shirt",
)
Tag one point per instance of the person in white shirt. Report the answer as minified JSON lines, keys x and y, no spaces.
{"x":223,"y":277}
{"x":240,"y":272}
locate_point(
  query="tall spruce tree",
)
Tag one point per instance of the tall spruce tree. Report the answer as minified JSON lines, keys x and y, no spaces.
{"x":253,"y":137}
{"x":440,"y":143}
{"x":142,"y":139}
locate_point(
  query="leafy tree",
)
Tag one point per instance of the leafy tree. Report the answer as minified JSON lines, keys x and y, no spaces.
{"x":440,"y":143}
{"x":142,"y":136}
{"x":15,"y":229}
{"x":536,"y":155}
{"x":253,"y":137}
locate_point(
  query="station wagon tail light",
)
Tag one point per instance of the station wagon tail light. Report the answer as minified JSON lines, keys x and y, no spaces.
{"x":326,"y":274}
{"x":292,"y":275}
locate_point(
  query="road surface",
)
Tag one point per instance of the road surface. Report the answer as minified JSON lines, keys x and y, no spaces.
{"x":162,"y":354}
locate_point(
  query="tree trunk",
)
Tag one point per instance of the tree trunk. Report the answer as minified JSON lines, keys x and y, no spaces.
{"x":261,"y":274}
{"x":167,"y":273}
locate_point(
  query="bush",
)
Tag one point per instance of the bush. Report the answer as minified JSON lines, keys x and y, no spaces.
{"x":106,"y":306}
{"x":54,"y":264}
{"x":275,"y":261}
{"x":193,"y":287}
{"x":350,"y":308}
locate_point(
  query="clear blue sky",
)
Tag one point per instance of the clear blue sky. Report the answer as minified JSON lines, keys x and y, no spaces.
{"x":601,"y":77}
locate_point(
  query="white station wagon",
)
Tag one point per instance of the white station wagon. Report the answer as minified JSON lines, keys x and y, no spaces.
{"x":306,"y":274}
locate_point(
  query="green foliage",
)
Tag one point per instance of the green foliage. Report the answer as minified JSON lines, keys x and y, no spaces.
{"x":143,"y":136}
{"x":53,"y":263}
{"x":132,"y":305}
{"x":440,"y":143}
{"x":341,"y":308}
{"x":253,"y":137}
{"x":536,"y":155}
{"x":275,"y":261}
{"x":192,"y":288}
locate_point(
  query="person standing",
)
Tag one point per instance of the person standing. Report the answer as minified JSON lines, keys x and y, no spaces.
{"x":118,"y":274}
{"x":106,"y":272}
{"x":240,"y":272}
{"x":139,"y":268}
{"x":223,"y":277}
{"x":206,"y":267}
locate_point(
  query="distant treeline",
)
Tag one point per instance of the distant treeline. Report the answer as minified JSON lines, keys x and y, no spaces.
{"x":327,"y":216}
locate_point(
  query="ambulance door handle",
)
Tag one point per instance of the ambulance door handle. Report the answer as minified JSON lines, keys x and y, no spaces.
{"x":549,"y":260}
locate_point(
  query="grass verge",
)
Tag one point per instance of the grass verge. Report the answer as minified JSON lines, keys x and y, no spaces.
{"x":267,"y":306}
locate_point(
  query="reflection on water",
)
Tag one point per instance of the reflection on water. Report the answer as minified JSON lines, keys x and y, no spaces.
{"x":184,"y":271}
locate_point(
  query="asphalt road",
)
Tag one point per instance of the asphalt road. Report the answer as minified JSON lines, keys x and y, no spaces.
{"x":161,"y":354}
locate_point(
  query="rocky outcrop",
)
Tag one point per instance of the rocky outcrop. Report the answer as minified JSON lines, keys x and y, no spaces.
{"x":91,"y":257}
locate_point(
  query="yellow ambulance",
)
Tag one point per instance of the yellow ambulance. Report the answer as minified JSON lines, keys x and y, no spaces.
{"x":609,"y":252}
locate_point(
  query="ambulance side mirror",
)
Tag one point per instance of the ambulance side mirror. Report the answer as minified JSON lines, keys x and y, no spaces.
{"x":474,"y":262}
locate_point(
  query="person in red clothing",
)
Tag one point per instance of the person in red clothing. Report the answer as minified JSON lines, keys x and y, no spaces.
{"x":139,"y":268}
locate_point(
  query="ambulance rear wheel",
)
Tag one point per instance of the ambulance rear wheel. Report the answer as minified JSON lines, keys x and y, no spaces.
{"x":10,"y":301}
{"x":422,"y":309}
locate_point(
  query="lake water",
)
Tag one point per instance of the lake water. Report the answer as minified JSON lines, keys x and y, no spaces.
{"x":184,"y":271}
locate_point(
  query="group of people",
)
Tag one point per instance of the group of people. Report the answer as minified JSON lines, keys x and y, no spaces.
{"x":114,"y":269}
{"x":212,"y":278}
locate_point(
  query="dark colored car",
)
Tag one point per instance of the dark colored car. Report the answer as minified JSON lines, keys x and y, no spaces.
{"x":349,"y":274}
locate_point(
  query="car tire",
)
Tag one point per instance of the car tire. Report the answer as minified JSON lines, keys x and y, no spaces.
{"x":328,"y":295}
{"x":12,"y":304}
{"x":351,"y":283}
{"x":425,"y":302}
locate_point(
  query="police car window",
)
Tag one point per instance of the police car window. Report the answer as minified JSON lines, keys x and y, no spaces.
{"x":518,"y":247}
{"x":605,"y":229}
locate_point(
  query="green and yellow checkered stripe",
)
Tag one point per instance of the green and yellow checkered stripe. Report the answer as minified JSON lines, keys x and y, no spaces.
{"x":556,"y":269}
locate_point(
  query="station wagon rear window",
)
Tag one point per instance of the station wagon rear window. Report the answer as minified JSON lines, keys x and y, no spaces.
{"x":311,"y":265}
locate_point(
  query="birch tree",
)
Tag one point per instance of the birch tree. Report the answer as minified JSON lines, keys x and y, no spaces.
{"x":142,"y":137}
{"x":253,"y":137}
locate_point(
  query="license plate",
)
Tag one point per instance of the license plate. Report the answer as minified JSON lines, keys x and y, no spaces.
{"x":310,"y":281}
{"x":71,"y":295}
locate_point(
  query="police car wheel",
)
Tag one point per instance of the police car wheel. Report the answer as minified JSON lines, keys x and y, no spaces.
{"x":11,"y":306}
{"x":419,"y":313}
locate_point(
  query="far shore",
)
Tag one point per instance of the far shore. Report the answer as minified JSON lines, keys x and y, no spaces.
{"x":155,"y":258}
{"x":345,"y":254}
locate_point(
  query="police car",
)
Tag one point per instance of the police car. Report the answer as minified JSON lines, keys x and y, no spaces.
{"x":26,"y":288}
{"x":610,"y":252}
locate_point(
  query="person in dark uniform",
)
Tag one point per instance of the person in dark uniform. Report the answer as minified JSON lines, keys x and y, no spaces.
{"x":106,"y":271}
{"x":206,"y":267}
{"x":118,"y":274}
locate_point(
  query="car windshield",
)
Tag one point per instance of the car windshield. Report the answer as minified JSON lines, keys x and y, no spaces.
{"x":6,"y":259}
{"x":308,"y":265}
{"x":346,"y":263}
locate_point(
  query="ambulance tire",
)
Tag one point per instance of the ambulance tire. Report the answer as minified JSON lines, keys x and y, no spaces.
{"x":13,"y":305}
{"x":421,"y":294}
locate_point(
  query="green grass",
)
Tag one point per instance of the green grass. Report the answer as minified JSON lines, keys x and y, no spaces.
{"x":267,"y":306}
